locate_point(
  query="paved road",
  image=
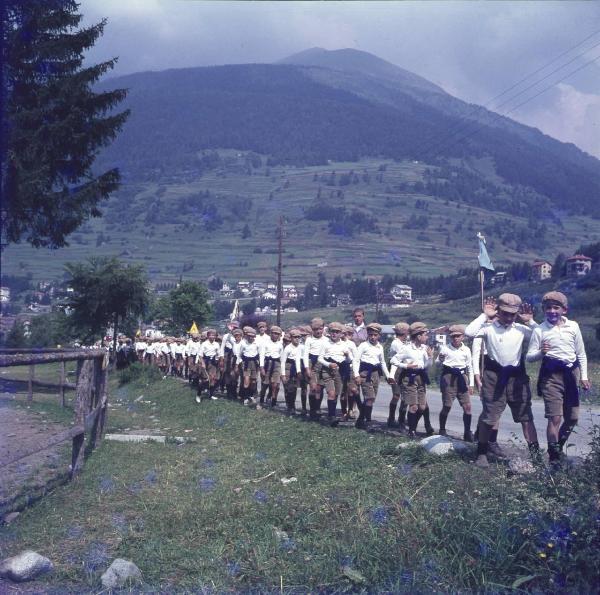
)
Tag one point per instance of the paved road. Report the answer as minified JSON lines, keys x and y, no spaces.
{"x":579,"y":443}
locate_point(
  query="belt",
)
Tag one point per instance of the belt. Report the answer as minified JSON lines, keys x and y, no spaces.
{"x":504,"y":373}
{"x":370,"y":368}
{"x":270,"y":364}
{"x":551,"y":365}
{"x":411,"y":374}
{"x":343,"y":367}
{"x":209,"y":360}
{"x":313,"y":359}
{"x":293,"y":370}
{"x":247,"y":359}
{"x":458,"y":373}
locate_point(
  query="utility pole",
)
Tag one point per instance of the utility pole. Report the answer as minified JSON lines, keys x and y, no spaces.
{"x":279,"y":267}
{"x":376,"y":301}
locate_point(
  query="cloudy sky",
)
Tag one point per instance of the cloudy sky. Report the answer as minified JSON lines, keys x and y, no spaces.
{"x":474,"y":50}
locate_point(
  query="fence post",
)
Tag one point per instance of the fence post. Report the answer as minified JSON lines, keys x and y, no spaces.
{"x":82,"y":400}
{"x":63,"y":378}
{"x":30,"y":383}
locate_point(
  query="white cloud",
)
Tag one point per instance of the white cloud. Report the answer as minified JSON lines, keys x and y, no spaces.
{"x":573,"y":117}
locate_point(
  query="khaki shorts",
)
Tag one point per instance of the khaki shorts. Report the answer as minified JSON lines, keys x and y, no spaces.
{"x":315,"y":375}
{"x":331,"y":380}
{"x":450,"y":391}
{"x":272,"y":372}
{"x":369,"y":387}
{"x":212,"y":370}
{"x":553,"y":393}
{"x":292,"y":381}
{"x":516,"y":394}
{"x":250,"y":369}
{"x":413,"y":394}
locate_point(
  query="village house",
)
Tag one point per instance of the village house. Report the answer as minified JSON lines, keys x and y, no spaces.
{"x":578,"y":265}
{"x":5,"y":295}
{"x":541,"y":270}
{"x":402,"y":293}
{"x":499,"y":278}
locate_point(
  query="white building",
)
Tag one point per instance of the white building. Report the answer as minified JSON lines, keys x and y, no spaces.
{"x":541,"y":270}
{"x":5,"y":295}
{"x":402,"y":292}
{"x":578,"y":265}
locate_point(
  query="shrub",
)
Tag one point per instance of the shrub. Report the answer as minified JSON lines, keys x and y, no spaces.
{"x":139,"y":373}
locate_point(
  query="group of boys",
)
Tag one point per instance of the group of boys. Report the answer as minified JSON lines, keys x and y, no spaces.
{"x":346,"y":364}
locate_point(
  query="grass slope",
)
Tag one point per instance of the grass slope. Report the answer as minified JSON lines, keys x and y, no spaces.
{"x":363,"y":515}
{"x":196,"y":248}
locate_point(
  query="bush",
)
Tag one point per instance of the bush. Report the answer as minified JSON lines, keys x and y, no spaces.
{"x":139,"y":373}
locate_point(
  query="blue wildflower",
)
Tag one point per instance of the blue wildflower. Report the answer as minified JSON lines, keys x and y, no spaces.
{"x":407,"y":577}
{"x":96,"y":557}
{"x":221,"y":421}
{"x":233,"y":569}
{"x":151,"y":477}
{"x":207,"y":484}
{"x":74,"y":532}
{"x":106,"y":485}
{"x":404,"y":469}
{"x":483,"y":549}
{"x":379,"y":516}
{"x":135,"y":488}
{"x":260,"y":496}
{"x":119,"y":522}
{"x":261,"y":456}
{"x":444,"y":506}
{"x":406,"y":503}
{"x":209,"y":463}
{"x":287,"y":544}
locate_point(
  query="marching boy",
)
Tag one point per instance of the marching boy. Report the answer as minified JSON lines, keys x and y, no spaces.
{"x":312,"y":368}
{"x":398,"y":344}
{"x":208,"y":358}
{"x":291,"y":358}
{"x":413,"y":361}
{"x":248,"y":351}
{"x":368,"y":367}
{"x":226,"y":358}
{"x":269,"y":354}
{"x":335,"y":366}
{"x":559,"y":344}
{"x":457,"y":379}
{"x":350,"y":388}
{"x":504,"y":379}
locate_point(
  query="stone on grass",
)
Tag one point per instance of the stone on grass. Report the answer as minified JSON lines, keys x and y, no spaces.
{"x":521,"y":466}
{"x":119,"y":573}
{"x":442,"y":445}
{"x":24,"y":566}
{"x":10,"y":517}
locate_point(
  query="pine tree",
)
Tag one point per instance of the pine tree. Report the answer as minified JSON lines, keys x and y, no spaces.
{"x":53,"y":124}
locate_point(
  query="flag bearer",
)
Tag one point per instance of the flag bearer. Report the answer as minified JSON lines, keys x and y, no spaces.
{"x":504,"y":379}
{"x":369,"y":367}
{"x":457,"y":379}
{"x":413,"y":360}
{"x":559,"y":344}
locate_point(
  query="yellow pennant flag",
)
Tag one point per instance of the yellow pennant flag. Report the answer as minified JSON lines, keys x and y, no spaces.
{"x":193,"y":328}
{"x":138,"y":333}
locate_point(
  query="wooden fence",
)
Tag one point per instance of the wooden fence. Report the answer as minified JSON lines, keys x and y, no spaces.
{"x":91,"y":399}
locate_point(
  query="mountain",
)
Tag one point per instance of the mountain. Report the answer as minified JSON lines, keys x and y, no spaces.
{"x":320,"y":106}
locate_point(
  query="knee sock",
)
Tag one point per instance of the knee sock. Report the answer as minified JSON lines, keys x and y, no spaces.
{"x":467,"y":421}
{"x":344,"y":405}
{"x":426,"y":417}
{"x":493,"y":436}
{"x":413,"y":420}
{"x":263,"y":392}
{"x":211,"y":390}
{"x":393,"y":405}
{"x":402,"y":413}
{"x":554,"y":451}
{"x":443,"y":417}
{"x":331,"y":406}
{"x":368,"y":410}
{"x":312,"y":403}
{"x":303,"y":399}
{"x":565,"y":431}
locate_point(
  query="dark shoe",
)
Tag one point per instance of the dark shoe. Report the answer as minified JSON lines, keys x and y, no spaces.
{"x":468,"y":436}
{"x":391,"y":423}
{"x":411,"y":434}
{"x":333,"y":422}
{"x":494,"y":448}
{"x":443,"y":433}
{"x":361,"y":424}
{"x":430,"y":431}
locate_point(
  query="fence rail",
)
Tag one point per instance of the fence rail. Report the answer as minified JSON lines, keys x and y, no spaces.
{"x":91,"y":398}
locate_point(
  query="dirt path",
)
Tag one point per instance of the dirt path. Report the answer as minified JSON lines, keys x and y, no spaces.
{"x":20,"y":430}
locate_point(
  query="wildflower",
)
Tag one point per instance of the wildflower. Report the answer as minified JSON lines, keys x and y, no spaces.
{"x":444,"y":506}
{"x":379,"y":516}
{"x":404,"y":469}
{"x":207,"y":484}
{"x":450,"y":492}
{"x":151,"y":477}
{"x":261,"y":456}
{"x":74,"y":532}
{"x":95,"y":557}
{"x":233,"y":569}
{"x":106,"y":485}
{"x":406,"y":503}
{"x":260,"y":496}
{"x":542,"y":555}
{"x":221,"y":421}
{"x":550,"y":545}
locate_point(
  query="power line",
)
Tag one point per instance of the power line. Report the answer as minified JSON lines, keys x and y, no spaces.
{"x":426,"y":147}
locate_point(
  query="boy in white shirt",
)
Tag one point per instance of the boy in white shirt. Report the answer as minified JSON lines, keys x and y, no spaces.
{"x":291,"y":367}
{"x":559,"y":344}
{"x":368,"y":367}
{"x":312,"y":368}
{"x":413,"y":361}
{"x":335,"y":365}
{"x":249,"y":356}
{"x":350,"y":388}
{"x":208,"y":358}
{"x":398,"y":344}
{"x":457,"y":379}
{"x":269,"y":354}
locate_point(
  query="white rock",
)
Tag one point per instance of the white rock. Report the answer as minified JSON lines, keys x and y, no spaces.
{"x":24,"y":566}
{"x":10,"y":517}
{"x":442,"y":445}
{"x":521,"y":466}
{"x":119,"y":573}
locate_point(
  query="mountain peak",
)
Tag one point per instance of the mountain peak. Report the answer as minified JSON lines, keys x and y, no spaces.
{"x":353,"y":60}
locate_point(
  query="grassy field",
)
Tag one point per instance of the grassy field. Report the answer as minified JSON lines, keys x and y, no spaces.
{"x":169,"y":250}
{"x":362,"y":515}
